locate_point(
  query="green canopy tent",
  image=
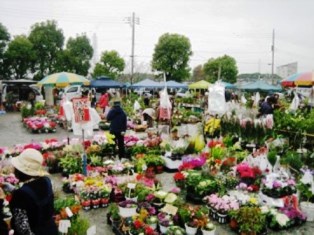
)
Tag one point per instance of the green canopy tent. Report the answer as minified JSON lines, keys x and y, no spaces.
{"x":199,"y":85}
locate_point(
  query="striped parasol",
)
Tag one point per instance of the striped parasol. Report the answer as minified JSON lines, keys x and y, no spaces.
{"x":299,"y":79}
{"x":63,"y":79}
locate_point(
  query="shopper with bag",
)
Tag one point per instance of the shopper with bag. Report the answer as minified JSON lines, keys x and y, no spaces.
{"x":32,"y":204}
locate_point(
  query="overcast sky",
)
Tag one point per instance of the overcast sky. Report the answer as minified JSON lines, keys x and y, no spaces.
{"x":239,"y":28}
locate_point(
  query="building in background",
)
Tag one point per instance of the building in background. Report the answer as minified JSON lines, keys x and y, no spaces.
{"x":287,"y":70}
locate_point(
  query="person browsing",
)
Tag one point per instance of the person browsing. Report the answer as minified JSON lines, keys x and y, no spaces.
{"x":118,"y":124}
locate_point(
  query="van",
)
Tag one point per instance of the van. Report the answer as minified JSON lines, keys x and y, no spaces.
{"x":73,"y":91}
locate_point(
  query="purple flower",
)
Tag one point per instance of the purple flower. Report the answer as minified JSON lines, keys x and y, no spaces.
{"x":277,"y":184}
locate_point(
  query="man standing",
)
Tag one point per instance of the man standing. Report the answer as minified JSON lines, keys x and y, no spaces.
{"x":118,"y":123}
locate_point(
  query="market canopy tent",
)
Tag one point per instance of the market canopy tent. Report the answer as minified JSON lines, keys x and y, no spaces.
{"x":259,"y":85}
{"x":199,"y":85}
{"x":106,"y":82}
{"x":174,"y":84}
{"x":228,"y":85}
{"x":289,"y":82}
{"x":63,"y":79}
{"x":147,"y":83}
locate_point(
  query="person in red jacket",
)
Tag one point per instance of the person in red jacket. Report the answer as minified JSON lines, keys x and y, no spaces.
{"x":104,"y":100}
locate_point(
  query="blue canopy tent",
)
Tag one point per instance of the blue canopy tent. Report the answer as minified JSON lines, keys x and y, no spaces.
{"x":147,"y":83}
{"x":174,"y":84}
{"x":228,"y":85}
{"x":106,"y":82}
{"x":259,"y":85}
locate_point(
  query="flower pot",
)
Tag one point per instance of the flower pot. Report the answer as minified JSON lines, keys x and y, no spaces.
{"x":308,"y":209}
{"x":163,"y":229}
{"x":127,"y":212}
{"x":206,"y":232}
{"x":95,"y":203}
{"x":134,"y":199}
{"x":153,"y":226}
{"x":214,"y":213}
{"x":222,"y":218}
{"x":190,"y":230}
{"x":86,"y":204}
{"x":233,"y":224}
{"x":104,"y":202}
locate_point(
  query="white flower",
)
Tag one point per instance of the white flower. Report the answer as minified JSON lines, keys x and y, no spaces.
{"x":282,"y":219}
{"x":264,"y":209}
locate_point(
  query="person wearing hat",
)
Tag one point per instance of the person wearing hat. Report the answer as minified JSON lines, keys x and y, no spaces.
{"x":32,"y":204}
{"x":118,"y":123}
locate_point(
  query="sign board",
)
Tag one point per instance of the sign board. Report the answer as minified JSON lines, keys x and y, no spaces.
{"x":81,"y":110}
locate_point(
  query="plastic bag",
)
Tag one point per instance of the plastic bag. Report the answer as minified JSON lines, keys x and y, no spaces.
{"x":216,"y":99}
{"x":136,"y":106}
{"x":295,"y":102}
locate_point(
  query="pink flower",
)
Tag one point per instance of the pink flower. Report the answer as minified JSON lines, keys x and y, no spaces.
{"x":277,"y":184}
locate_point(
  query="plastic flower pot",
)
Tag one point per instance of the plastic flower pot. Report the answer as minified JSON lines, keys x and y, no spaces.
{"x":190,"y":230}
{"x":206,"y":232}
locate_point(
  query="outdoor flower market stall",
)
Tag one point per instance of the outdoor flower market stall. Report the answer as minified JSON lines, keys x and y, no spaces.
{"x":234,"y":171}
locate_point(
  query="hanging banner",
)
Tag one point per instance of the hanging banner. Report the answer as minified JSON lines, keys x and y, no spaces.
{"x":81,"y":110}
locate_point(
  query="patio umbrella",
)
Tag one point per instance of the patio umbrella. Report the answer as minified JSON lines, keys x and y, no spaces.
{"x":289,"y":82}
{"x":305,"y":79}
{"x":63,"y":79}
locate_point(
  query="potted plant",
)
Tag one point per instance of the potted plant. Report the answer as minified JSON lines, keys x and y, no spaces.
{"x":95,"y":199}
{"x":250,"y":220}
{"x":104,"y":194}
{"x":127,"y":208}
{"x":165,"y":221}
{"x":152,"y":221}
{"x":175,"y":230}
{"x":85,"y":200}
{"x":208,"y":229}
{"x":114,"y":215}
{"x":306,"y":194}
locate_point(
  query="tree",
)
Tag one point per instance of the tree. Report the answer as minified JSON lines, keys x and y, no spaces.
{"x":77,"y":55}
{"x":111,"y":65}
{"x":228,"y":69}
{"x":171,"y":56}
{"x":4,"y":39}
{"x":198,"y":73}
{"x":20,"y":56}
{"x":47,"y":42}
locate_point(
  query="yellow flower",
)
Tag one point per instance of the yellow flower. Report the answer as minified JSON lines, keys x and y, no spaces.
{"x":253,"y":200}
{"x":110,"y":138}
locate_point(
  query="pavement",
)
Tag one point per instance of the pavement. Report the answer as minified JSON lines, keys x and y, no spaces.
{"x":12,"y":132}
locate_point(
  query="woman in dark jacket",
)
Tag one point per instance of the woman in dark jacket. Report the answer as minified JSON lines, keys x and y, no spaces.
{"x":32,"y":204}
{"x":3,"y":225}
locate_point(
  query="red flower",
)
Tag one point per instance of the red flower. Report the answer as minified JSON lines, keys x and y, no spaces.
{"x":178,"y":176}
{"x":138,"y":224}
{"x":149,"y":231}
{"x":87,"y":144}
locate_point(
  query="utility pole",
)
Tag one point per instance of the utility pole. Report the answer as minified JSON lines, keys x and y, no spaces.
{"x":133,"y":21}
{"x":273,"y":57}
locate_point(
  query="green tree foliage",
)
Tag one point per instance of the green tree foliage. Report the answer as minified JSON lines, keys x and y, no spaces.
{"x":228,"y":69}
{"x":111,"y":65}
{"x":75,"y":58}
{"x":47,"y":42}
{"x":171,"y":56}
{"x":198,"y":73}
{"x":20,"y":56}
{"x":4,"y":39}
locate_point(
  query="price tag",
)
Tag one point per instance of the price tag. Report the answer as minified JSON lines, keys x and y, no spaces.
{"x":91,"y":230}
{"x":170,"y":209}
{"x":69,"y":212}
{"x":64,"y":225}
{"x":168,"y":154}
{"x":131,"y":185}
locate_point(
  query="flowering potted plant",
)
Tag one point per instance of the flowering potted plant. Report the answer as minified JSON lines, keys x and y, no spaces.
{"x":85,"y":200}
{"x":114,"y":217}
{"x":208,"y":229}
{"x":175,"y":230}
{"x":95,"y":199}
{"x":152,"y":221}
{"x":179,"y":179}
{"x":250,"y":220}
{"x":165,"y":221}
{"x":104,"y":194}
{"x":127,"y":208}
{"x":306,"y":189}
